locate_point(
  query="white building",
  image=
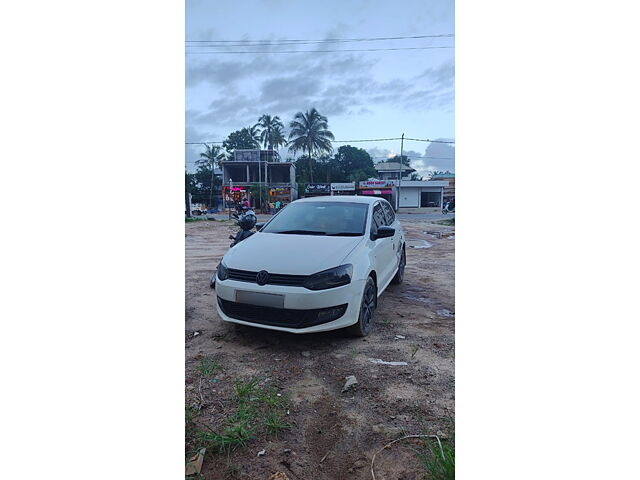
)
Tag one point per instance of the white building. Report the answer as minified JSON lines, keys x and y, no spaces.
{"x":421,"y":196}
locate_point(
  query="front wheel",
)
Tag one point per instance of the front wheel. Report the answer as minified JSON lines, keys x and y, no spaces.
{"x":364,"y":325}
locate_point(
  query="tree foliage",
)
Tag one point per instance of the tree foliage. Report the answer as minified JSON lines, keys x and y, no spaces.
{"x":349,"y":164}
{"x":310,"y":134}
{"x":241,"y":139}
{"x":271,"y":131}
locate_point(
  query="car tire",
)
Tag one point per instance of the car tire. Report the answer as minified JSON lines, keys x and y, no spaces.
{"x":364,"y":325}
{"x":212,"y":280}
{"x":399,"y":276}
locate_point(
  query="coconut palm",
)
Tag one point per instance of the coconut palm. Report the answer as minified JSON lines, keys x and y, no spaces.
{"x":269,"y":126}
{"x":278,"y":139}
{"x":255,"y":135}
{"x":310,"y":134}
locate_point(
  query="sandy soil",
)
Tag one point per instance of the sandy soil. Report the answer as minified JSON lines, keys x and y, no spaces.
{"x":345,"y":429}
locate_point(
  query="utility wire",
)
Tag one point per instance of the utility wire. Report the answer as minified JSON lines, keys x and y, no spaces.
{"x":327,"y":40}
{"x":321,"y":51}
{"x":354,"y":141}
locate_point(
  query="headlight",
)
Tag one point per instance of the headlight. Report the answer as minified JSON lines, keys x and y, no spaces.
{"x":334,"y":277}
{"x":223,"y":272}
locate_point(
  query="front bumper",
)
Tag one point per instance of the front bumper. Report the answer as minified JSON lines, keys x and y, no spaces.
{"x":300,"y":306}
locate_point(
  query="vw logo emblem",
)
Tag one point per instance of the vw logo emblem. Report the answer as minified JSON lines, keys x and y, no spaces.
{"x":263,"y":277}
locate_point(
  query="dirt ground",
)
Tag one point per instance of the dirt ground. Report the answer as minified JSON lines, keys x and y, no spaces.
{"x":333,"y":435}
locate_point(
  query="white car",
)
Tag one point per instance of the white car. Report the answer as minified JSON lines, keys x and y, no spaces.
{"x":320,"y":264}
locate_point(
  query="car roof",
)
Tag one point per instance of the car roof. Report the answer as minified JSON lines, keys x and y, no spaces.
{"x":341,"y":198}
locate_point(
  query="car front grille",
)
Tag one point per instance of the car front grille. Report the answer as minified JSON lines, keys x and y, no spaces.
{"x":274,"y":278}
{"x":280,"y":317}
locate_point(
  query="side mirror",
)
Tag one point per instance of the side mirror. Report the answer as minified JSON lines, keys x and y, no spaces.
{"x":383,"y":232}
{"x":260,"y":225}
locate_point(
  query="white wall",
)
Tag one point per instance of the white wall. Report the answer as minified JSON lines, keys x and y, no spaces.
{"x":409,"y":197}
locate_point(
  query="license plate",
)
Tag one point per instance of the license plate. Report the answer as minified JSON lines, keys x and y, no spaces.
{"x":258,"y":298}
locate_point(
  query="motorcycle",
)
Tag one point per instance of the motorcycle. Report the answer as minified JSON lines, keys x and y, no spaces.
{"x":246,"y":222}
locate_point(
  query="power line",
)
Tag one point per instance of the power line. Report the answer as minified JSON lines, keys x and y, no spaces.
{"x":354,"y":141}
{"x":322,"y":51}
{"x":327,"y":40}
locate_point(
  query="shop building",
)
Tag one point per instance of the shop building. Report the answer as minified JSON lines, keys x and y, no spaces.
{"x":251,"y":167}
{"x":377,"y":188}
{"x":450,"y":189}
{"x":420,"y":196}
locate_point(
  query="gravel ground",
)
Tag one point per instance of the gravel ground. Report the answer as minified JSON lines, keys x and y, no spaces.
{"x":333,"y":435}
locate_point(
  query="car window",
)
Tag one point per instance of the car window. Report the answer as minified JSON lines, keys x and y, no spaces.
{"x":388,"y":213}
{"x":320,"y":218}
{"x":378,"y":217}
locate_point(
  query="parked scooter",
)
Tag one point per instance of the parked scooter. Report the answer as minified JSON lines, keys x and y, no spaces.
{"x":449,"y":207}
{"x":246,"y":222}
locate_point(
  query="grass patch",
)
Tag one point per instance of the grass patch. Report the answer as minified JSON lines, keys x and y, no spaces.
{"x":194,"y":219}
{"x":208,"y":367}
{"x":438,"y":464}
{"x":258,"y":409}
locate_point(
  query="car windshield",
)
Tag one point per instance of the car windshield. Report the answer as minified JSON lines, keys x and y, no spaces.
{"x":320,"y":218}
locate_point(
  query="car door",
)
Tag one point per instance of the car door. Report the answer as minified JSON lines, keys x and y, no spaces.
{"x":390,"y":217}
{"x":383,"y":248}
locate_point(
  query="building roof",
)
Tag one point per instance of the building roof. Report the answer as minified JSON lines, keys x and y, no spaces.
{"x":392,"y":167}
{"x":444,"y":175}
{"x":423,"y":183}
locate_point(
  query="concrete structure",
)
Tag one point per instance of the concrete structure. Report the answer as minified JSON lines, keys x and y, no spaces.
{"x":420,"y":196}
{"x":248,"y":167}
{"x":391,"y":170}
{"x":450,"y":189}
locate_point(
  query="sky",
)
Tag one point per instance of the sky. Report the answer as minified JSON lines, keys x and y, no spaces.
{"x":364,"y":95}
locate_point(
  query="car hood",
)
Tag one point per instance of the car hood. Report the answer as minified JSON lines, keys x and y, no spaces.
{"x":289,"y":254}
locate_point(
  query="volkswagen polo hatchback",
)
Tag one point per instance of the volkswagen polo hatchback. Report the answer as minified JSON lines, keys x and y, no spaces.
{"x":320,"y":264}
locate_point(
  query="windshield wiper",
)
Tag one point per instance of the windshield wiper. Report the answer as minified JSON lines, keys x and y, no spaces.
{"x":302,"y":232}
{"x":344,"y":234}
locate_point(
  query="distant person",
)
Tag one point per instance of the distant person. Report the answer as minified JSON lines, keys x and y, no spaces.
{"x":272,"y":208}
{"x":278,"y":205}
{"x":245,"y":203}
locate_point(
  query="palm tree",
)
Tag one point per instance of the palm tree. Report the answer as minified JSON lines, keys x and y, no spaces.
{"x":255,"y":135}
{"x":310,"y":133}
{"x":269,"y":125}
{"x":278,"y":139}
{"x":210,"y":158}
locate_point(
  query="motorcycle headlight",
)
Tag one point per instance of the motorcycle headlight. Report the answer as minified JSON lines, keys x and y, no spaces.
{"x":334,"y":277}
{"x":223,"y":272}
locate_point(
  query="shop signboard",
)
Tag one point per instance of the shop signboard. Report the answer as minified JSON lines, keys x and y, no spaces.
{"x":376,"y":184}
{"x":317,"y":188}
{"x":343,"y":187}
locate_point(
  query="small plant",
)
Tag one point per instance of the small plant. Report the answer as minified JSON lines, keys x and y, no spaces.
{"x":189,"y":413}
{"x":244,"y":389}
{"x":208,"y":367}
{"x":414,"y":350}
{"x":271,"y":397}
{"x":232,"y":471}
{"x":438,"y":460}
{"x":273,"y":423}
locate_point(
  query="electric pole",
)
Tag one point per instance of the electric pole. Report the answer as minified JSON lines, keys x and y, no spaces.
{"x":400,"y":178}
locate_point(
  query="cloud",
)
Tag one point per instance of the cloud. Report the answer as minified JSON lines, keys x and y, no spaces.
{"x":437,"y":156}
